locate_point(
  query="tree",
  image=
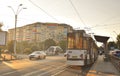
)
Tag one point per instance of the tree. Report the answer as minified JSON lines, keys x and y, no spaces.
{"x":48,"y":43}
{"x":34,"y":48}
{"x":27,"y":47}
{"x":63,"y":45}
{"x":118,"y":41}
{"x":22,"y":45}
{"x":27,"y":50}
{"x":1,"y":24}
{"x":112,"y":45}
{"x":10,"y":46}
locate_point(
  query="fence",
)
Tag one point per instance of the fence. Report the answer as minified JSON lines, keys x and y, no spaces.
{"x":116,"y":61}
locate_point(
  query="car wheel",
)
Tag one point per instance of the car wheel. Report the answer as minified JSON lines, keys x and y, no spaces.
{"x":39,"y":57}
{"x":30,"y":58}
{"x":44,"y":57}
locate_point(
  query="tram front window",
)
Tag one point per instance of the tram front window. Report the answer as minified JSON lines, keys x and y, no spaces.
{"x":75,"y":42}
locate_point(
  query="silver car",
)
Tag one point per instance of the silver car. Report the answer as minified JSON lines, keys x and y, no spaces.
{"x":37,"y":55}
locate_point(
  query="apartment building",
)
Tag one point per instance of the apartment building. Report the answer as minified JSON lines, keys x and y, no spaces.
{"x":38,"y":32}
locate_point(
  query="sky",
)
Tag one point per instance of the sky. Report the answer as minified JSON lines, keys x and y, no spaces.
{"x":99,"y":17}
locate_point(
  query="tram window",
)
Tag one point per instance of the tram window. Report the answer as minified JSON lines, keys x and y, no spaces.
{"x":85,"y":44}
{"x":70,"y":42}
{"x":76,"y":41}
{"x":79,"y":42}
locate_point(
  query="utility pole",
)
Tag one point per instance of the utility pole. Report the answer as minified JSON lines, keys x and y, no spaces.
{"x":16,"y":17}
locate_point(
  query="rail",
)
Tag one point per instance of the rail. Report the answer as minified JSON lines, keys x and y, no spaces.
{"x":116,"y":61}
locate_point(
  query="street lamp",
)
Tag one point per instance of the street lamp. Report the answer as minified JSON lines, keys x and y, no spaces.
{"x":115,"y":32}
{"x":16,"y":16}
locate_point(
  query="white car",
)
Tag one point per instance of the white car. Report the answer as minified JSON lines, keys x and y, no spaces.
{"x":37,"y":55}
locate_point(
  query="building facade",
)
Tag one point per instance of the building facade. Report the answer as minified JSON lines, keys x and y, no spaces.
{"x":38,"y":32}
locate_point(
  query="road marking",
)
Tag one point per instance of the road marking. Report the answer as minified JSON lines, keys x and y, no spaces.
{"x":21,"y":70}
{"x":7,"y":64}
{"x":8,"y":73}
{"x":31,"y":73}
{"x":12,"y":66}
{"x":58,"y":72}
{"x":51,"y":70}
{"x":28,"y":74}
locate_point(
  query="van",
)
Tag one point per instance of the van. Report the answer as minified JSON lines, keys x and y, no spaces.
{"x":54,"y":50}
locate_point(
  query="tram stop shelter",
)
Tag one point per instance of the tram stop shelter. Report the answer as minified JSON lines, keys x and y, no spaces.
{"x":103,"y":39}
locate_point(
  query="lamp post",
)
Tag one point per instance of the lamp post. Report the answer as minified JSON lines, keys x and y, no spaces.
{"x":16,"y":16}
{"x":115,"y":32}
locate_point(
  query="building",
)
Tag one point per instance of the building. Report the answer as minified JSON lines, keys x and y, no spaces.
{"x":38,"y":32}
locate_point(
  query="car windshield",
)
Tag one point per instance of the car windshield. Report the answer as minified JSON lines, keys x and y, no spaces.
{"x":36,"y":52}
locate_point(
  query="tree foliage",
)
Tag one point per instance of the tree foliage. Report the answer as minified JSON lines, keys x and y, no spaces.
{"x":118,"y":41}
{"x":21,"y":46}
{"x":27,"y":51}
{"x":48,"y":43}
{"x":10,"y":46}
{"x":63,"y":45}
{"x":28,"y":47}
{"x":112,"y":45}
{"x":1,"y":24}
{"x":34,"y":48}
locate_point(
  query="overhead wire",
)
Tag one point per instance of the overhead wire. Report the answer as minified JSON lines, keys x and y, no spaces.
{"x":44,"y":11}
{"x":105,"y":25}
{"x":101,"y":23}
{"x":77,"y":12}
{"x":84,"y":22}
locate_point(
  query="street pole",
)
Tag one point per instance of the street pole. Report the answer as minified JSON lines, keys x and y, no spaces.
{"x":15,"y":34}
{"x":16,"y":16}
{"x":115,"y":32}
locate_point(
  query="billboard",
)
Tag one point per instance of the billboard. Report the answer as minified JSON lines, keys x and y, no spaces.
{"x":3,"y":37}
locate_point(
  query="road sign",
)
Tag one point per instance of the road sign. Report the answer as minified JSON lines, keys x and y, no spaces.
{"x":3,"y":37}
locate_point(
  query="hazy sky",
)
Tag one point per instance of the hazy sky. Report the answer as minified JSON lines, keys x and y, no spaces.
{"x":102,"y":17}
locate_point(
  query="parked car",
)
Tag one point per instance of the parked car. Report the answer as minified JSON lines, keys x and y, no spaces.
{"x":54,"y":50}
{"x":117,"y":53}
{"x":37,"y":55}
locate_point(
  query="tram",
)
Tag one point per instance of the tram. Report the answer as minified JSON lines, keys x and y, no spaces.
{"x":81,"y":48}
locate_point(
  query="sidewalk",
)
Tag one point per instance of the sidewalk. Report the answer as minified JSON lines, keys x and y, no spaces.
{"x":102,"y":68}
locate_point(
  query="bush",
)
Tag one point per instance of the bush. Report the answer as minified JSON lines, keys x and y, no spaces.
{"x":27,"y":51}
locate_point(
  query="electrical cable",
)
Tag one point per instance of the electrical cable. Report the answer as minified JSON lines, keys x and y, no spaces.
{"x":105,"y":25}
{"x":77,"y":12}
{"x":43,"y":11}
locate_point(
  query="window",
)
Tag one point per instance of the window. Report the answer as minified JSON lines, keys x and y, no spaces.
{"x":70,"y":42}
{"x":85,"y":44}
{"x":75,"y":41}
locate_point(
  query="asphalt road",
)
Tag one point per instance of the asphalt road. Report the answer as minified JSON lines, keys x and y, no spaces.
{"x":51,"y":66}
